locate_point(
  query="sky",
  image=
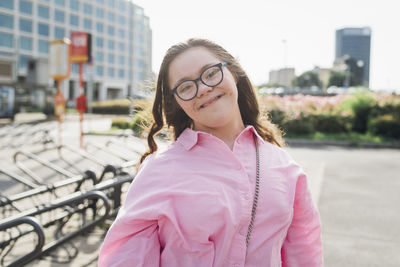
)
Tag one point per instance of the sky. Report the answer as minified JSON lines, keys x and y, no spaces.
{"x":269,"y":34}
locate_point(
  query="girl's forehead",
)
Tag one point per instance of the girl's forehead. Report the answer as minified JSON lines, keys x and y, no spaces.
{"x":195,"y":57}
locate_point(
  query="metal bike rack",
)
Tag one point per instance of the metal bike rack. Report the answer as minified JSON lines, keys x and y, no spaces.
{"x":106,"y":149}
{"x":37,"y":228}
{"x":88,"y":175}
{"x":18,"y":178}
{"x":41,"y":161}
{"x":73,"y":199}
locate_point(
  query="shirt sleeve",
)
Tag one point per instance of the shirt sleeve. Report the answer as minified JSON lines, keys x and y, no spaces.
{"x":133,"y":239}
{"x":130,"y":245}
{"x":303,"y":245}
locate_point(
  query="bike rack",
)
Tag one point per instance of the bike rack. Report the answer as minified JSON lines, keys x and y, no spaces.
{"x":18,"y":178}
{"x":106,"y":149}
{"x":38,"y":229}
{"x":73,"y":199}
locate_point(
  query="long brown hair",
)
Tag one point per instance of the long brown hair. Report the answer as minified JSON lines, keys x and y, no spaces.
{"x":178,"y":120}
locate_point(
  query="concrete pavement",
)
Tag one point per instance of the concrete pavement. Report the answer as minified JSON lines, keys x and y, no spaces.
{"x":357,"y":192}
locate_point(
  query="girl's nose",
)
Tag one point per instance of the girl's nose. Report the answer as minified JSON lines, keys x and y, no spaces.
{"x":203,"y":89}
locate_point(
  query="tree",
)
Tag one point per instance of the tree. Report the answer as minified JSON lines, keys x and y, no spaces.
{"x":336,"y":79}
{"x":307,"y":80}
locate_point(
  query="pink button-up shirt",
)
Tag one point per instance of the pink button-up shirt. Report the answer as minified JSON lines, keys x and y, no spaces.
{"x":191,"y":206}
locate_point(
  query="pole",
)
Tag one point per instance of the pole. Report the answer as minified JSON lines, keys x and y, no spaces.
{"x":81,"y":112}
{"x":59,"y":116}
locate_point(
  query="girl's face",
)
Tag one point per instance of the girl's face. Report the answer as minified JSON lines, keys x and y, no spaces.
{"x":215,"y":107}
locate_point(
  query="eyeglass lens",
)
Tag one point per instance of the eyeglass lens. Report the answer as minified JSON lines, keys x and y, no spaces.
{"x":210,"y":77}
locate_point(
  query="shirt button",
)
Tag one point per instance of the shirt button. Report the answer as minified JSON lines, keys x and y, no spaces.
{"x":246,"y":196}
{"x":242,"y":230}
{"x":236,"y":265}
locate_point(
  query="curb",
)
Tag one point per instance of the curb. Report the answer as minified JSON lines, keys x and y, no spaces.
{"x":349,"y":144}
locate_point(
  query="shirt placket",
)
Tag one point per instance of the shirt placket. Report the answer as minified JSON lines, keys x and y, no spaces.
{"x":239,"y":250}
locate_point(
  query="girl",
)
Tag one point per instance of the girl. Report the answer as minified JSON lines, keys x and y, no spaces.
{"x":224,"y":193}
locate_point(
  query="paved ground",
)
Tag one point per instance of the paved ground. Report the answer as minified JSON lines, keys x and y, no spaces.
{"x":357,"y":192}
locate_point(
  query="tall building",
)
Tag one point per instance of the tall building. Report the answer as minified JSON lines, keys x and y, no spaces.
{"x":283,"y":77}
{"x":121,"y":44}
{"x":355,"y":43}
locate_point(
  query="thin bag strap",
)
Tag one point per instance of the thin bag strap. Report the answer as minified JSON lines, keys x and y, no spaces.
{"x":257,"y":190}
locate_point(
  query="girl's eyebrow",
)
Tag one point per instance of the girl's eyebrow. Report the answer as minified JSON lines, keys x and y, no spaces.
{"x":187,"y":78}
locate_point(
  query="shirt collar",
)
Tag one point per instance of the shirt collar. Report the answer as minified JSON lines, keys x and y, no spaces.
{"x":189,"y":138}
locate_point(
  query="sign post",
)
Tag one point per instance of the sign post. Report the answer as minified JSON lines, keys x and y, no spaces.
{"x":59,"y":70}
{"x":81,"y":53}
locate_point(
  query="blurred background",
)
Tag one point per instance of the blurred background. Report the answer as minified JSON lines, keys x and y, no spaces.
{"x":326,"y":72}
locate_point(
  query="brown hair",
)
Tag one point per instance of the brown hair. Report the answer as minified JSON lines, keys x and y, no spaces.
{"x":178,"y":120}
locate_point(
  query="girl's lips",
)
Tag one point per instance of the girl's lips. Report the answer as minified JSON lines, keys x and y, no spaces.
{"x":211,"y":101}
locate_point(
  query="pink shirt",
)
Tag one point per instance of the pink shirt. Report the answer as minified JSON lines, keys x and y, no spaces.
{"x":191,"y":206}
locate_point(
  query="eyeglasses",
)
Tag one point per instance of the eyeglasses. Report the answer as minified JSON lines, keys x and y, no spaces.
{"x":211,"y":76}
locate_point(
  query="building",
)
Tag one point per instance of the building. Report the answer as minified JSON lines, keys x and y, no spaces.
{"x":282,"y":77}
{"x":121,"y":44}
{"x":356,"y":44}
{"x":323,"y":75}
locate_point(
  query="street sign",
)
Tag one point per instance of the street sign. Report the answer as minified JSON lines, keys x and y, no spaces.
{"x":59,"y":59}
{"x":80,"y":47}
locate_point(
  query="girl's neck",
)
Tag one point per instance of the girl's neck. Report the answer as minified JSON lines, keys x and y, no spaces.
{"x":227,"y":133}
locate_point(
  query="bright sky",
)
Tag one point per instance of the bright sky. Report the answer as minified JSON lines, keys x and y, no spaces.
{"x":253,"y":31}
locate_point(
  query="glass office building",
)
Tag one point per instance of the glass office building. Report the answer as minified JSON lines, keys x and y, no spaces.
{"x":121,"y":43}
{"x":355,"y":43}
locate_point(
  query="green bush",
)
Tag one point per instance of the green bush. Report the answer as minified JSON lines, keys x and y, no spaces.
{"x":328,"y":123}
{"x":386,"y":126}
{"x":277,"y":116}
{"x":299,"y":126}
{"x":360,"y":104}
{"x":121,"y":123}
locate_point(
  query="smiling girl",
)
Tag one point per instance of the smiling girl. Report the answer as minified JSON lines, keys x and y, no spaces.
{"x":224,"y":193}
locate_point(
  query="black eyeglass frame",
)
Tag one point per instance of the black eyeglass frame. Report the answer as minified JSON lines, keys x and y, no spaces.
{"x":219,"y":65}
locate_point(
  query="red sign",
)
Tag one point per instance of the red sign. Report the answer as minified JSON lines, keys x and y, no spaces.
{"x":81,"y":103}
{"x":80,"y":47}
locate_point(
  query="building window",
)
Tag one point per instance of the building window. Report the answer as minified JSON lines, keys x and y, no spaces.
{"x":59,"y":33}
{"x":111,"y":3}
{"x":99,"y":70}
{"x":43,"y":11}
{"x":23,"y":61}
{"x":59,"y":16}
{"x":74,"y":20}
{"x":87,"y":9}
{"x":139,"y":63}
{"x":99,"y":27}
{"x":59,"y":2}
{"x":25,"y":25}
{"x":99,"y":13}
{"x":121,"y":6}
{"x":121,"y":46}
{"x":6,"y":21}
{"x":6,"y":40}
{"x":110,"y":72}
{"x":25,"y":43}
{"x":121,"y":33}
{"x":74,"y":5}
{"x":43,"y":46}
{"x":110,"y":44}
{"x":43,"y":29}
{"x":99,"y":56}
{"x":121,"y":73}
{"x":75,"y":68}
{"x":100,"y":1}
{"x":111,"y":30}
{"x":9,"y":4}
{"x":111,"y":58}
{"x":87,"y":24}
{"x":25,"y":7}
{"x":121,"y":60}
{"x":121,"y":20}
{"x":99,"y":42}
{"x":111,"y":16}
